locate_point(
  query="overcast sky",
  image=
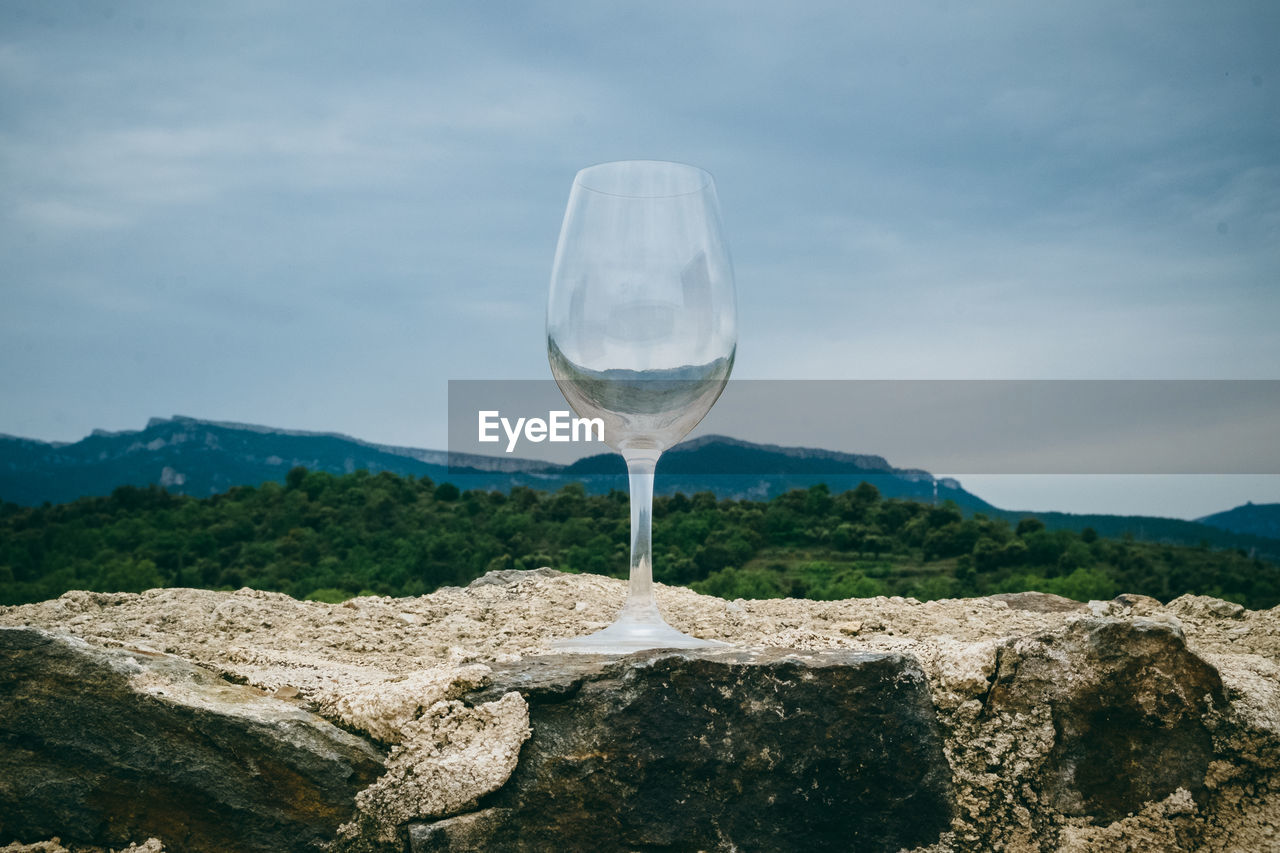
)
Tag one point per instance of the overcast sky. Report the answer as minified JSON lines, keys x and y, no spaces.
{"x":312,"y":215}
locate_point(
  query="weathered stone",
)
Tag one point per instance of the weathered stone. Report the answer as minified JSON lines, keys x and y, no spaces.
{"x":1038,"y":602}
{"x":385,"y":710}
{"x":151,"y":845}
{"x":506,"y":577}
{"x":1205,"y":606}
{"x":104,"y":746}
{"x":1138,"y":605}
{"x":1128,"y":702}
{"x":452,"y":756}
{"x":472,"y":831}
{"x":374,"y":661}
{"x":728,"y":750}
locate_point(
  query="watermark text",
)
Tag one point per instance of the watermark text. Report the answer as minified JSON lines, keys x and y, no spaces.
{"x":558,"y":426}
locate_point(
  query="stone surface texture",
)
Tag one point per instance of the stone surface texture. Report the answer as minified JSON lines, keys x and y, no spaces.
{"x":452,"y":756}
{"x":151,"y":845}
{"x":111,"y":745}
{"x":1057,"y":721}
{"x":705,"y":750}
{"x":1128,"y":706}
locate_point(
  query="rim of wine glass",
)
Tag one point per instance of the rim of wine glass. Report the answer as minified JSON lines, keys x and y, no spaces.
{"x":705,"y":179}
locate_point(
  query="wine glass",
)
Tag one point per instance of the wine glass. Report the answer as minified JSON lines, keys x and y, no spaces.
{"x":641,"y":332}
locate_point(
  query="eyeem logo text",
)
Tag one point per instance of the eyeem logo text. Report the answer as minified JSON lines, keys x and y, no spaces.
{"x":559,"y":426}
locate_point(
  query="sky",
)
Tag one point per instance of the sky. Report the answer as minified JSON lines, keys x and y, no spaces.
{"x":313,"y":215}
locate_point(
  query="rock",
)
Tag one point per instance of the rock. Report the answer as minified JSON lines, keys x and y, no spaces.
{"x":151,"y":845}
{"x":472,"y":831}
{"x":506,"y":577}
{"x":1205,"y":606}
{"x":1128,"y":702}
{"x":1039,"y":602}
{"x":107,"y":746}
{"x":967,"y":672}
{"x":1013,"y":689}
{"x":385,"y":710}
{"x":452,"y":756}
{"x":1139,"y":605}
{"x":716,"y":750}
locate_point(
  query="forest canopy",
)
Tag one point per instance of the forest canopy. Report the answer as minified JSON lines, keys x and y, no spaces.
{"x":328,"y":538}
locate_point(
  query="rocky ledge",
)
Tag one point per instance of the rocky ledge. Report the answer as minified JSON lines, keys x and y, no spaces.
{"x":196,"y":720}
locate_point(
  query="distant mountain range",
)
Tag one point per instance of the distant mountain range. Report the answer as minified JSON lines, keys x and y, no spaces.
{"x":200,"y":458}
{"x":1252,"y":518}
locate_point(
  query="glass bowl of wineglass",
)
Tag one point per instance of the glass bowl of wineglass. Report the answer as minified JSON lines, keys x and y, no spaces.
{"x":641,"y":333}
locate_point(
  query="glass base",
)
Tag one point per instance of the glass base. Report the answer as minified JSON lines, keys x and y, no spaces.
{"x":634,"y":633}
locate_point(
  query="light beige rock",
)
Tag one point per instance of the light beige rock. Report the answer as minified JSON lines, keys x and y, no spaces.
{"x":451,"y":757}
{"x":1156,"y":827}
{"x":151,"y":845}
{"x":1204,"y":606}
{"x":53,"y":846}
{"x":965,"y":670}
{"x":385,"y":710}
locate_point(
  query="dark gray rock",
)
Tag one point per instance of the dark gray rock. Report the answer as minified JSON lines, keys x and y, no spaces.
{"x":107,"y":746}
{"x":728,"y":750}
{"x":1128,"y":702}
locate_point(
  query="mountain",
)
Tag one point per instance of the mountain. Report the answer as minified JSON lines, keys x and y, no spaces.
{"x":732,"y":468}
{"x":1252,"y":518}
{"x":199,"y":457}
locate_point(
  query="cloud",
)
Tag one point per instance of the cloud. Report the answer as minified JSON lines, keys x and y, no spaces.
{"x":923,"y":189}
{"x":64,"y":214}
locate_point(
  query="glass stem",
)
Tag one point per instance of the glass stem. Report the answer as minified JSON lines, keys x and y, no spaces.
{"x":640,"y":604}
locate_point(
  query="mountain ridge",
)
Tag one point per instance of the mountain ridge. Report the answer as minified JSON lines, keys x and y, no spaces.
{"x":1251,"y":518}
{"x":201,"y":457}
{"x":32,"y":471}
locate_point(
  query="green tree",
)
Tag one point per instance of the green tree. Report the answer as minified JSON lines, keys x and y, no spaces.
{"x":1027,"y":526}
{"x":849,"y":585}
{"x":731,"y":583}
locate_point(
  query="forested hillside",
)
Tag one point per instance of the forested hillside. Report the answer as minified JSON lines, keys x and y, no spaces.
{"x":330,"y":537}
{"x":1251,"y":518}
